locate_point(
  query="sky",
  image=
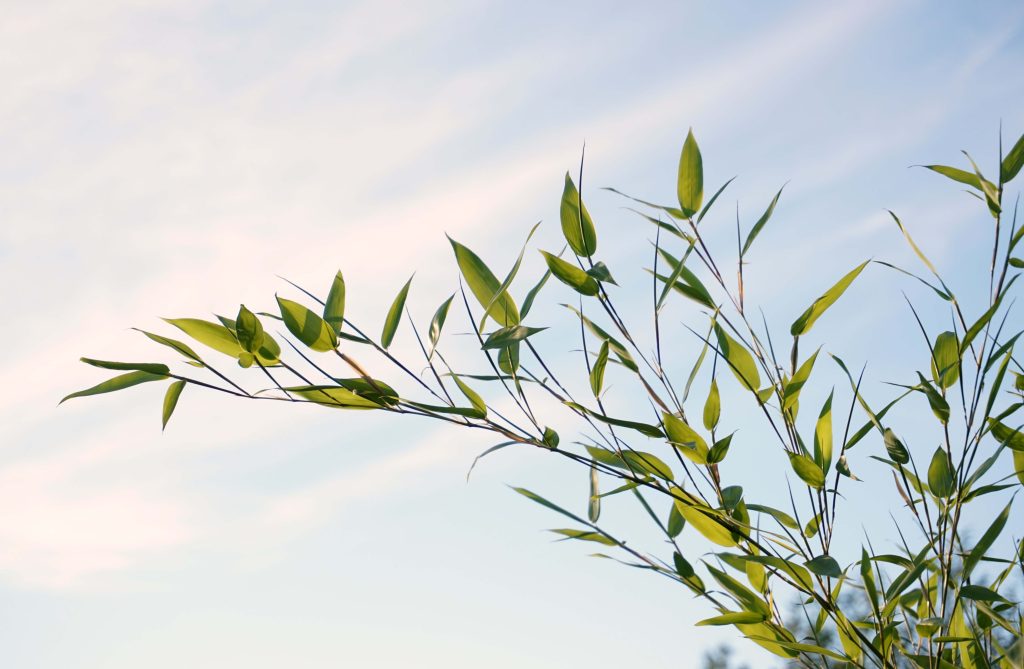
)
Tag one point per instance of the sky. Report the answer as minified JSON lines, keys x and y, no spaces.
{"x":176,"y":158}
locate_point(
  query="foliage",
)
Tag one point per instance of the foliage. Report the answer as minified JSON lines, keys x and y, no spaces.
{"x":939,"y":601}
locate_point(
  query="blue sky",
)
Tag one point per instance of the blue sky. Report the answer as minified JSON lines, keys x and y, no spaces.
{"x":168,"y":159}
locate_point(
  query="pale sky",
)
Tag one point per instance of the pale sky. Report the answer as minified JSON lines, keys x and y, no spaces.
{"x":173,"y":158}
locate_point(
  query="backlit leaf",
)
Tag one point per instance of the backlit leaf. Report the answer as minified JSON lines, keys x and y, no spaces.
{"x":712,"y":407}
{"x":597,"y":370}
{"x":151,"y":367}
{"x":579,"y":232}
{"x":307,"y":326}
{"x":117,"y":383}
{"x":803,"y":324}
{"x":394,"y":316}
{"x":334,"y":307}
{"x":484,"y":285}
{"x":940,"y":474}
{"x":171,"y":401}
{"x":809,"y":472}
{"x":691,"y":444}
{"x":740,"y":361}
{"x":690,"y":182}
{"x":571,"y":275}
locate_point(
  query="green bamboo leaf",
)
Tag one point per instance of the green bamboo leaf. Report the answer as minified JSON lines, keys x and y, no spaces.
{"x":719,"y":450}
{"x":597,"y":371}
{"x":745,"y":597}
{"x":269,"y":352}
{"x":676,"y":522}
{"x":333,"y":396}
{"x":946,"y":360}
{"x":981,"y":594}
{"x":754,"y":231}
{"x":1013,"y":161}
{"x":437,"y":323}
{"x":685,"y":438}
{"x":175,"y":345}
{"x":690,"y":183}
{"x":550,"y":505}
{"x":741,"y":362}
{"x":689,"y":284}
{"x":894,"y":447}
{"x":213,"y":335}
{"x":571,"y":275}
{"x":803,"y":324}
{"x":824,"y":565}
{"x":707,"y":206}
{"x":579,"y":232}
{"x":532,"y":295}
{"x":508,"y":358}
{"x":394,"y":317}
{"x":601,"y":272}
{"x":594,"y":501}
{"x":511,"y":335}
{"x":248,"y":330}
{"x":586,"y":535}
{"x":334,"y":307}
{"x":306,"y":326}
{"x":936,"y":401}
{"x":812,"y":526}
{"x":711,"y":523}
{"x":117,"y":383}
{"x":645,"y":429}
{"x":1013,"y":439}
{"x":956,"y":174}
{"x":809,"y":472}
{"x":782,"y":517}
{"x":940,"y":474}
{"x":712,"y":407}
{"x":620,"y":351}
{"x":791,"y":392}
{"x":807,"y":648}
{"x":823,"y":436}
{"x":484,"y":286}
{"x":509,"y":278}
{"x":980,"y":549}
{"x":475,"y":400}
{"x":468,"y":412}
{"x":150,"y":367}
{"x":171,"y":401}
{"x":1018,"y":465}
{"x":734,"y":618}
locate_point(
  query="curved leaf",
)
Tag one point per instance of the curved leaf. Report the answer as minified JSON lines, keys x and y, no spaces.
{"x":579,"y":232}
{"x":484,"y":286}
{"x":394,"y":316}
{"x":171,"y":401}
{"x":306,"y":326}
{"x":117,"y":383}
{"x":803,"y":324}
{"x":334,"y":307}
{"x":571,"y":275}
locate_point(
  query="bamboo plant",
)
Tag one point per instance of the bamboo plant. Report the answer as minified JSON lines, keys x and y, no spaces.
{"x":940,"y":601}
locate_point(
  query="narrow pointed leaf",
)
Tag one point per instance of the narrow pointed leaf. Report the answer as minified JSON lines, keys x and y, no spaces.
{"x":307,"y":326}
{"x":334,"y":307}
{"x":171,"y":401}
{"x":571,"y":275}
{"x":394,"y":316}
{"x":803,"y":324}
{"x":484,"y":285}
{"x":117,"y":383}
{"x":597,"y":370}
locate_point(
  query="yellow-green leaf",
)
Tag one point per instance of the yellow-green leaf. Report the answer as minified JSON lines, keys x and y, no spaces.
{"x":809,"y":472}
{"x":740,"y":360}
{"x":394,"y":316}
{"x":690,"y":182}
{"x":117,"y":383}
{"x":803,"y":324}
{"x":307,"y":327}
{"x":571,"y":275}
{"x":691,"y":444}
{"x":171,"y":400}
{"x":484,"y":285}
{"x":712,"y":407}
{"x":579,"y":231}
{"x":711,"y":523}
{"x":214,"y":335}
{"x":946,"y":360}
{"x":334,"y":307}
{"x":475,"y":400}
{"x":597,"y":371}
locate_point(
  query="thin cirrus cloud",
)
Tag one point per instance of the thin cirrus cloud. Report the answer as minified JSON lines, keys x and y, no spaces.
{"x":209,"y":192}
